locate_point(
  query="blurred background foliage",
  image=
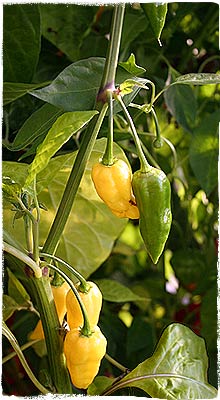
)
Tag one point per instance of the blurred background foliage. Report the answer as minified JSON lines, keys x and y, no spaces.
{"x":183,"y":286}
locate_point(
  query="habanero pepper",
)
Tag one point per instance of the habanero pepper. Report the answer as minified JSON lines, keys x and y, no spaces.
{"x":113,"y":185}
{"x":152,"y":192}
{"x":92,"y":300}
{"x":59,"y":294}
{"x":83,"y":355}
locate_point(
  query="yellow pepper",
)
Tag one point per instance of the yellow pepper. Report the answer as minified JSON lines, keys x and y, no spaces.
{"x":92,"y":300}
{"x":113,"y":185}
{"x":83,"y":355}
{"x":59,"y":294}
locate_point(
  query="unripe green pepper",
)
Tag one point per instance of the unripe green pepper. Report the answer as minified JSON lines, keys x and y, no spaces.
{"x":152,"y":192}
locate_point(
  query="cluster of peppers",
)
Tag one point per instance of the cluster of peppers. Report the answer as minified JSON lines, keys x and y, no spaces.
{"x":145,"y":196}
{"x":83,"y":350}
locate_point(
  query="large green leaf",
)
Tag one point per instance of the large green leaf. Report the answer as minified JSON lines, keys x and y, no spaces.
{"x":76,"y":87}
{"x":10,"y":306}
{"x":91,"y":229}
{"x":16,"y":290}
{"x":181,"y":102}
{"x":204,"y":150}
{"x":64,"y":127}
{"x":37,"y":125}
{"x":21,"y":44}
{"x":63,"y":25}
{"x":176,"y":370}
{"x":198,"y":79}
{"x":156,"y":14}
{"x":13,"y":91}
{"x":116,"y":292}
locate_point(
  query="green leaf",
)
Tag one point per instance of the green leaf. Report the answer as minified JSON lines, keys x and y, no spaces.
{"x":9,"y":307}
{"x":203,"y":154}
{"x":63,"y":25}
{"x":99,"y":384}
{"x":181,"y":102}
{"x":61,"y":131}
{"x":116,"y":292}
{"x":131,"y":66}
{"x":11,"y":190}
{"x":76,"y":87}
{"x":156,"y":14}
{"x":16,"y":290}
{"x":198,"y":79}
{"x":129,"y":84}
{"x":176,"y":370}
{"x":209,"y":318}
{"x":13,"y":91}
{"x":91,"y":229}
{"x":15,"y":171}
{"x":22,"y":39}
{"x":37,"y":125}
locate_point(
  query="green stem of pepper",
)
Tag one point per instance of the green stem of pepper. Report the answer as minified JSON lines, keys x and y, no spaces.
{"x":23,"y":257}
{"x":11,"y":338}
{"x":158,"y":141}
{"x":90,"y":135}
{"x":84,"y":286}
{"x":86,"y":329}
{"x":144,"y":166}
{"x":108,"y":157}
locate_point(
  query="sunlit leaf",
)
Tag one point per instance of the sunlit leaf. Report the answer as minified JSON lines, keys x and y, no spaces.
{"x":198,"y":79}
{"x":116,"y":292}
{"x":61,"y":131}
{"x":131,"y":66}
{"x":176,"y":370}
{"x":38,"y":124}
{"x":91,"y":228}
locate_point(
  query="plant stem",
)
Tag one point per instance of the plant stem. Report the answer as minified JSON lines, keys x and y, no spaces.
{"x":108,"y":158}
{"x":86,"y":329}
{"x":73,"y":183}
{"x":23,"y":257}
{"x":11,"y":338}
{"x":23,"y":347}
{"x":144,"y":166}
{"x":108,"y":78}
{"x":158,"y":142}
{"x":84,"y":284}
{"x":90,"y":134}
{"x":115,"y":363}
{"x":36,"y":226}
{"x":42,"y":291}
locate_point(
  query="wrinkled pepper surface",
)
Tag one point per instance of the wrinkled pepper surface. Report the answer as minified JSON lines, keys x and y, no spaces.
{"x":92,"y":300}
{"x":113,"y":185}
{"x":83,"y":355}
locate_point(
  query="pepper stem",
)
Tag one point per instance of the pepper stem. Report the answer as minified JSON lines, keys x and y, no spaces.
{"x":158,"y":141}
{"x":84,"y":286}
{"x":144,"y":165}
{"x":108,"y":157}
{"x":86,"y":329}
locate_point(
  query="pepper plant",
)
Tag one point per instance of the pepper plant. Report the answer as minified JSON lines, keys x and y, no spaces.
{"x":109,"y":179}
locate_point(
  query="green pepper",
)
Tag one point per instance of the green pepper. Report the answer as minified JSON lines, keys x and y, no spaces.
{"x":152,"y":192}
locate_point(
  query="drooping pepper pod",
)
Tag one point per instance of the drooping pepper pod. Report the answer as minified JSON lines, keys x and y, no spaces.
{"x":113,"y":185}
{"x":152,"y":192}
{"x":83,"y":355}
{"x":59,"y":294}
{"x":92,"y":300}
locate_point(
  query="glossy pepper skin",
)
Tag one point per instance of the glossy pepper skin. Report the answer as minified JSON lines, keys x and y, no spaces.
{"x":59,"y":294}
{"x":113,"y":185}
{"x":83,"y":355}
{"x":92,"y":301}
{"x":152,"y":192}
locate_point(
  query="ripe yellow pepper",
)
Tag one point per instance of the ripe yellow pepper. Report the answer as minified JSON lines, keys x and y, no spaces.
{"x":59,"y":294}
{"x":83,"y":355}
{"x":113,"y":185}
{"x":92,"y":301}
